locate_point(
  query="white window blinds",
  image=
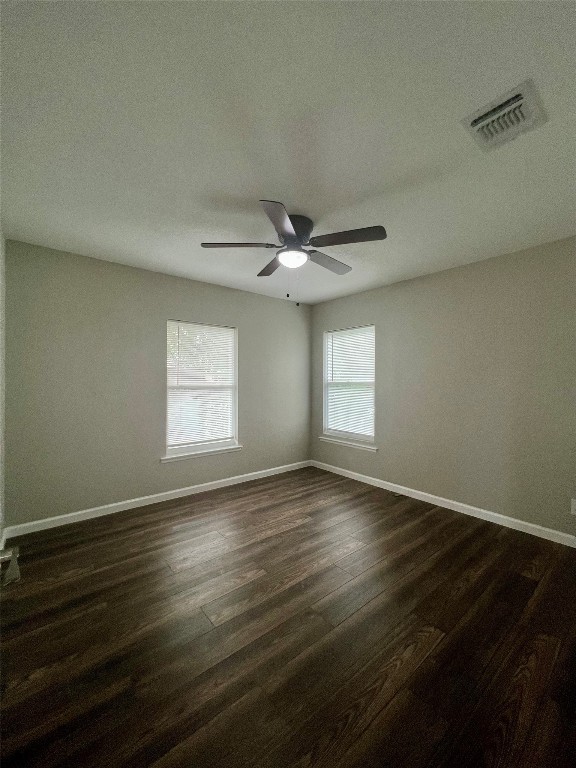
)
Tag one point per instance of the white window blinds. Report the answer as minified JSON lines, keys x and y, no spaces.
{"x":349,"y":383}
{"x":202,"y":388}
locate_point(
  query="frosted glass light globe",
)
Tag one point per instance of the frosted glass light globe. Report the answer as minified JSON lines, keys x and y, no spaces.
{"x":292,"y":259}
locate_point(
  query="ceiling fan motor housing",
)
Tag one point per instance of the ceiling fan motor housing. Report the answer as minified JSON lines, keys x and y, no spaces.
{"x":303,"y":227}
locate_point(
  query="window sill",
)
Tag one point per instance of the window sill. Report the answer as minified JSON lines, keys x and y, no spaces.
{"x":203,"y":452}
{"x":349,"y":443}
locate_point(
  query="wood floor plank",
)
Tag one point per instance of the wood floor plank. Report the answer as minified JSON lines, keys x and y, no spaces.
{"x":493,"y":649}
{"x":304,"y":619}
{"x":175,"y":699}
{"x":381,"y":578}
{"x":388,"y":742}
{"x":238,"y":601}
{"x":50,"y":643}
{"x":499,"y":724}
{"x":391,"y":540}
{"x":230,"y":739}
{"x":349,"y":711}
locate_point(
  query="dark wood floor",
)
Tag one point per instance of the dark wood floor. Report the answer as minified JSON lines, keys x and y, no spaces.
{"x":300,"y":620}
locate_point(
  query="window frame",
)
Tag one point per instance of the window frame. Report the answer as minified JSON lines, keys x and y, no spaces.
{"x":203,"y":447}
{"x":353,"y":439}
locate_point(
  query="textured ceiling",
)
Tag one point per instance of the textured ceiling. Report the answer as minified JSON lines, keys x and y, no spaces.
{"x":132,"y":131}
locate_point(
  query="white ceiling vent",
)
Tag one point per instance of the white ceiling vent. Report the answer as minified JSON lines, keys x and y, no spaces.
{"x":505,"y":118}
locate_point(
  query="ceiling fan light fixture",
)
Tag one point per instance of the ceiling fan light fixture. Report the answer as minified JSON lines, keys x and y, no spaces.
{"x":294,"y":232}
{"x":292,"y":257}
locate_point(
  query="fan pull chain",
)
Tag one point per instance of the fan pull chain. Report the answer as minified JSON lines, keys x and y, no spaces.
{"x":294,"y":280}
{"x":297,"y":289}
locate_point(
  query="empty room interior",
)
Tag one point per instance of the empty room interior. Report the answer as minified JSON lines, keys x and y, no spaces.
{"x":288,"y":335}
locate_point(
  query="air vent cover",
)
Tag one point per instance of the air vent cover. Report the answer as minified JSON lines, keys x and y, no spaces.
{"x":515,"y":112}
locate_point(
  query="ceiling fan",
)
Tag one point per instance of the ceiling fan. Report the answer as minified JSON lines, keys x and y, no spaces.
{"x":294,"y":233}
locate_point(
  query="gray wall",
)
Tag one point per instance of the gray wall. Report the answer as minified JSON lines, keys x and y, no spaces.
{"x":86,"y":381}
{"x":2,"y":382}
{"x":475,"y":383}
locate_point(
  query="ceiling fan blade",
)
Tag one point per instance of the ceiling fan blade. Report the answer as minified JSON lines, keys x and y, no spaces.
{"x":272,"y":266}
{"x":323,"y":260}
{"x":279,"y":218}
{"x":364,"y":235}
{"x":238,"y":245}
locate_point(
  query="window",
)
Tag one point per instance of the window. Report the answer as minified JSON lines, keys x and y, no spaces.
{"x":202,"y":389}
{"x":349,"y":384}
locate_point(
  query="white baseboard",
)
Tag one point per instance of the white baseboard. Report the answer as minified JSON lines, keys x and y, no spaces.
{"x":86,"y":514}
{"x":119,"y":506}
{"x":456,"y":506}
